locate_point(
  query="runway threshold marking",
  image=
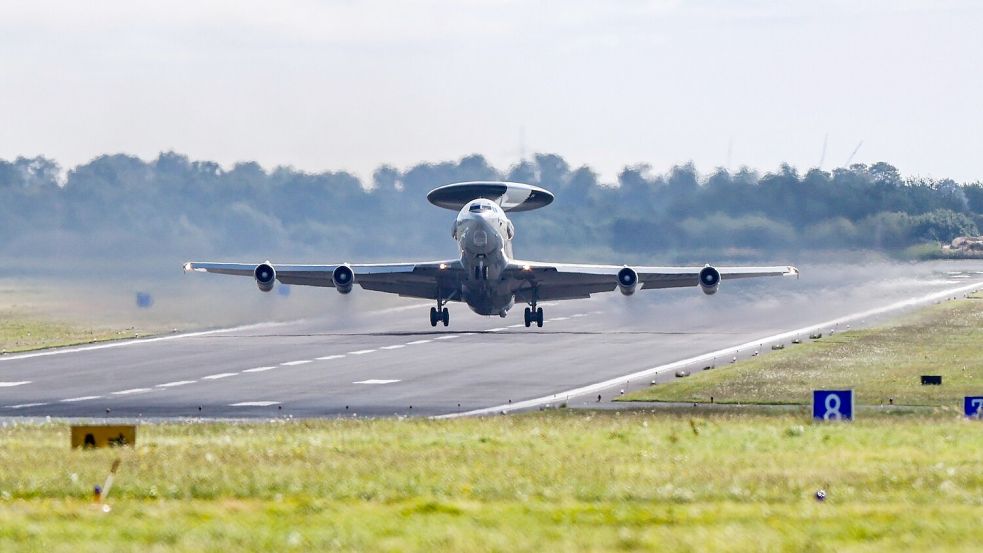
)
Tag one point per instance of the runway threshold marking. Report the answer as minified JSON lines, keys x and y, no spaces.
{"x":218,"y":376}
{"x":131,"y":391}
{"x":259,"y":369}
{"x":684,"y":363}
{"x":12,"y":384}
{"x":361,"y":352}
{"x":254,"y":404}
{"x":329,"y":357}
{"x":26,"y":405}
{"x":176,"y":383}
{"x":375,"y":381}
{"x":295,"y":363}
{"x":82,"y":398}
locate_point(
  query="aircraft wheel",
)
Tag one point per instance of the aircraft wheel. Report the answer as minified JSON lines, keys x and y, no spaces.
{"x":445,"y":316}
{"x":433,"y":316}
{"x":527,"y":317}
{"x":539,"y":317}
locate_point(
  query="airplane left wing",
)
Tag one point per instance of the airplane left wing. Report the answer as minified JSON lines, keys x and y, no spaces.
{"x":417,"y":280}
{"x":557,"y":281}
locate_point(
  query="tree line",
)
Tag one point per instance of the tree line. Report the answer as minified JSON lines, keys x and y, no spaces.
{"x":120,"y":207}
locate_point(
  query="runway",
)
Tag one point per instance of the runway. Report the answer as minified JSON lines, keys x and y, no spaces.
{"x":389,"y":361}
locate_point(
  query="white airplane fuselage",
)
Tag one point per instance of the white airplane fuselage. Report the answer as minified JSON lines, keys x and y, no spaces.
{"x":484,"y":235}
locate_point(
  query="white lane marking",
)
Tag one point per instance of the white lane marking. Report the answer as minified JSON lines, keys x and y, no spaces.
{"x":176,"y":383}
{"x":74,"y":399}
{"x":295,"y":363}
{"x":139,"y":341}
{"x":259,"y":369}
{"x":560,"y":319}
{"x":517,"y":326}
{"x":499,"y":329}
{"x":361,"y":352}
{"x":12,"y":384}
{"x":218,"y":376}
{"x":25,"y":405}
{"x":329,"y":357}
{"x":254,"y":404}
{"x":131,"y":391}
{"x":375,"y":381}
{"x":447,"y":337}
{"x":468,"y":334}
{"x":415,"y":342}
{"x":728,"y":351}
{"x":395,"y":346}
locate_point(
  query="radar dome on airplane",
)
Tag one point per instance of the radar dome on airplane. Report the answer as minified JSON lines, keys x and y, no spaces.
{"x":511,"y":196}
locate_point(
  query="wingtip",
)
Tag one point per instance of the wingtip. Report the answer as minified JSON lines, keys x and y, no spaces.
{"x":793,"y":271}
{"x":187,"y":267}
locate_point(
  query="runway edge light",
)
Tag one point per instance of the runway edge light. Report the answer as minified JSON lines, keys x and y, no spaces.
{"x":828,"y":405}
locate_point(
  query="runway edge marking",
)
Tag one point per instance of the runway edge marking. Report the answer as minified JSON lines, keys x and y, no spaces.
{"x":612,"y":382}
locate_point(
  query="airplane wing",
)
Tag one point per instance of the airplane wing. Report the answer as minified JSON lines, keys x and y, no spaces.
{"x":559,"y":281}
{"x":417,"y":280}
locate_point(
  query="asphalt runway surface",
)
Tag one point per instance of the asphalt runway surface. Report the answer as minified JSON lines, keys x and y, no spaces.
{"x":389,"y":361}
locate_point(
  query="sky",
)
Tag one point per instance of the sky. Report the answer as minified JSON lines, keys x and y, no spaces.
{"x":349,"y":85}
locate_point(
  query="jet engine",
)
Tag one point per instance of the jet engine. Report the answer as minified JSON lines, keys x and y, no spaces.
{"x":627,"y":281}
{"x":709,"y":280}
{"x":343,"y":278}
{"x":265,"y":276}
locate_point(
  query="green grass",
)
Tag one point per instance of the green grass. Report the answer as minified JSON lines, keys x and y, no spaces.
{"x":880,"y":364}
{"x":563,"y":480}
{"x":22,"y":332}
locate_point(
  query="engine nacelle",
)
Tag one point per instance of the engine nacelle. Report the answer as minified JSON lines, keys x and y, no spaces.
{"x":709,"y":280}
{"x":265,"y":276}
{"x":627,"y":281}
{"x":344,"y":278}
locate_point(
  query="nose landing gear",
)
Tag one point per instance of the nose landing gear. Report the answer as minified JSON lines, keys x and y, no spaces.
{"x":439,"y":315}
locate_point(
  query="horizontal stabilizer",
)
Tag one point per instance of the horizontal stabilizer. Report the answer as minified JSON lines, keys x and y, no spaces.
{"x":512,"y":196}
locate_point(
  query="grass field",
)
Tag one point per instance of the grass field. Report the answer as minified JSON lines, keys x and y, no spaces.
{"x":571,"y":480}
{"x":880,"y":364}
{"x":20,"y":331}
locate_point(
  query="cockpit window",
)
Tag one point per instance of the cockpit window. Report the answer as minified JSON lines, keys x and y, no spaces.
{"x":475,"y":208}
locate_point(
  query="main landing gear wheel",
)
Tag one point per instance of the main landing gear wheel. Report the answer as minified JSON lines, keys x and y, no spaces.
{"x":531,"y":316}
{"x":439,"y":316}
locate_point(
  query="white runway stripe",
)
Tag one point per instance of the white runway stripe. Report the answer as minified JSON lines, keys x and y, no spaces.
{"x":131,"y":391}
{"x":254,"y":404}
{"x":25,"y":405}
{"x":83,"y":398}
{"x":447,"y":337}
{"x":361,"y":352}
{"x":12,"y":384}
{"x":375,"y":381}
{"x":259,"y":369}
{"x":415,"y":342}
{"x":295,"y":363}
{"x":329,"y":357}
{"x":176,"y":383}
{"x":218,"y":376}
{"x":396,"y":346}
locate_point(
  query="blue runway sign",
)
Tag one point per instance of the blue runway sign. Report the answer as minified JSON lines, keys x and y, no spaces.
{"x":974,"y":406}
{"x":832,"y":405}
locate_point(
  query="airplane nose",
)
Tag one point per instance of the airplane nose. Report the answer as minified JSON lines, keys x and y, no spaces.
{"x":479,"y":238}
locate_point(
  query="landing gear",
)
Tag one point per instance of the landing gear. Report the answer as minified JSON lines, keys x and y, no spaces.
{"x":533,"y":316}
{"x":439,"y":314}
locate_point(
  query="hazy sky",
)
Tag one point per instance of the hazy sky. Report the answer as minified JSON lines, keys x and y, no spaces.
{"x":352,"y":84}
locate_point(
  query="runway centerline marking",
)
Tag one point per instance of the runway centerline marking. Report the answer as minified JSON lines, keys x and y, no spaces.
{"x":416,"y":342}
{"x":26,"y":405}
{"x":329,"y":357}
{"x":295,"y":363}
{"x":82,"y":398}
{"x":259,"y":369}
{"x":131,"y":391}
{"x":176,"y":383}
{"x":361,"y":352}
{"x":375,"y":381}
{"x":254,"y":404}
{"x":218,"y":376}
{"x":12,"y":384}
{"x":395,"y":346}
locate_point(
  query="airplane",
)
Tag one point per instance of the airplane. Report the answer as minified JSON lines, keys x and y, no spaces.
{"x":486,"y":276}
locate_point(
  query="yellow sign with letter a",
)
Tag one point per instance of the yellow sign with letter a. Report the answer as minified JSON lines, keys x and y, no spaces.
{"x":104,"y":436}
